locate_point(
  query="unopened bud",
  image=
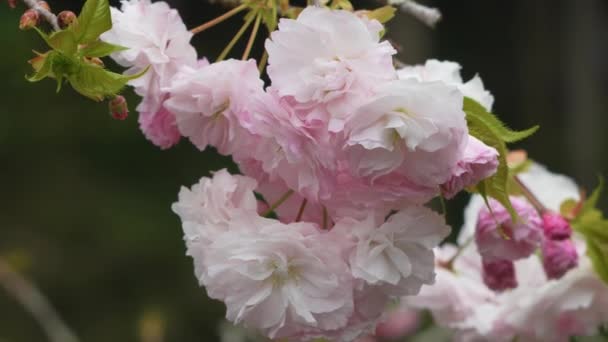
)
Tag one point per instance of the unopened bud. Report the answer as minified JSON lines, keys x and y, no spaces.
{"x":12,"y":3}
{"x":44,"y":5}
{"x":29,"y":19}
{"x":66,"y":19}
{"x":559,"y":256}
{"x":95,"y":60}
{"x":499,"y":275}
{"x":118,"y":108}
{"x":556,"y":227}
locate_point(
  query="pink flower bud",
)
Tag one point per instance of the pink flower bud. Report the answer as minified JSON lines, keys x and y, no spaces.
{"x":118,"y":108}
{"x":559,"y":256}
{"x":499,"y":275}
{"x":12,"y":3}
{"x":66,"y":18}
{"x":29,"y":19}
{"x":498,"y":237}
{"x":556,"y":227}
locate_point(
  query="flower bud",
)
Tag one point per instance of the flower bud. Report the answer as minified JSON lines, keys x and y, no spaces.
{"x":66,"y":18}
{"x":118,"y":108}
{"x":29,"y":19}
{"x":95,"y":60}
{"x":556,"y":227}
{"x":12,"y":3}
{"x":499,"y":275}
{"x":559,"y":256}
{"x":499,"y":238}
{"x":44,"y":5}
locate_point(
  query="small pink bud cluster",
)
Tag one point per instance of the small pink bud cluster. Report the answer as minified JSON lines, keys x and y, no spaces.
{"x":559,"y":252}
{"x":501,"y":241}
{"x":118,"y":108}
{"x":66,"y":19}
{"x":29,"y":19}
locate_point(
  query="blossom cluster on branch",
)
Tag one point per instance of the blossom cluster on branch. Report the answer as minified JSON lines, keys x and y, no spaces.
{"x":340,"y":154}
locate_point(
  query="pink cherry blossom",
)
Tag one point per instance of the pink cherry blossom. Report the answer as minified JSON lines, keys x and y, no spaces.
{"x":209,"y":103}
{"x":449,"y":73}
{"x":156,"y":37}
{"x":499,"y":275}
{"x":478,"y":162}
{"x":328,"y":56}
{"x":555,"y":226}
{"x":498,"y":237}
{"x":559,"y":256}
{"x":538,"y":309}
{"x":416,"y":128}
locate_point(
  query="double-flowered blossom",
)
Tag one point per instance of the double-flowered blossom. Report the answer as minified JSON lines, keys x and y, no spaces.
{"x":339,"y":147}
{"x":538,"y":308}
{"x":294,"y":280}
{"x":498,"y":237}
{"x":157,"y":38}
{"x":328,"y":57}
{"x":210,"y":102}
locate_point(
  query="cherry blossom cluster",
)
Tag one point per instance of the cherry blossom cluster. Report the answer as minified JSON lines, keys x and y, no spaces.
{"x":344,"y":148}
{"x":550,"y":296}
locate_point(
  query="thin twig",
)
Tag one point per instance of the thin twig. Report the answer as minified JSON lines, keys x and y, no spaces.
{"x":428,"y":15}
{"x":36,"y":304}
{"x":530,"y":196}
{"x":218,"y":20}
{"x":301,"y":210}
{"x":263,"y":62}
{"x":47,"y":15}
{"x":278,"y":203}
{"x":254,"y":33}
{"x":235,"y":39}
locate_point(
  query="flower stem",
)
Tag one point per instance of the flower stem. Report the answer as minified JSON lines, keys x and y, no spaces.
{"x":301,"y":210}
{"x":263,"y":62}
{"x":325,"y":218}
{"x":218,"y":20}
{"x":236,"y":38}
{"x":254,"y":33}
{"x":278,"y":203}
{"x":530,"y":196}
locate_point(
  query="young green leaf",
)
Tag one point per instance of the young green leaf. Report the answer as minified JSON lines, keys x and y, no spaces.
{"x":382,"y":14}
{"x":100,"y":49}
{"x":503,"y":132}
{"x":598,"y":253}
{"x":591,"y":223}
{"x":94,"y":19}
{"x":97,"y":83}
{"x":64,"y":40}
{"x":488,"y":128}
{"x":42,"y":65}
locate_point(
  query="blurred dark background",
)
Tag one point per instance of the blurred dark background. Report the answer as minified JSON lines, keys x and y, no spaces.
{"x":85,"y":206}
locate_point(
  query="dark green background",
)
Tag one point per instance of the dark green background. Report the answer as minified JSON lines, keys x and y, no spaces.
{"x":85,"y":206}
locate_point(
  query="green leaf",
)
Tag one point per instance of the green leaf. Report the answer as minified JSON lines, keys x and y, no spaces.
{"x":42,"y":66}
{"x":382,"y":14}
{"x":100,"y":49}
{"x":342,"y":4}
{"x":94,"y":19}
{"x":591,"y":202}
{"x":64,"y":40}
{"x":598,"y":253}
{"x":492,"y":122}
{"x":495,"y":186}
{"x":97,"y":83}
{"x":486,"y":127}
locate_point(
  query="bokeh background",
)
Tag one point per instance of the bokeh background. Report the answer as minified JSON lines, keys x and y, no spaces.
{"x":85,"y":200}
